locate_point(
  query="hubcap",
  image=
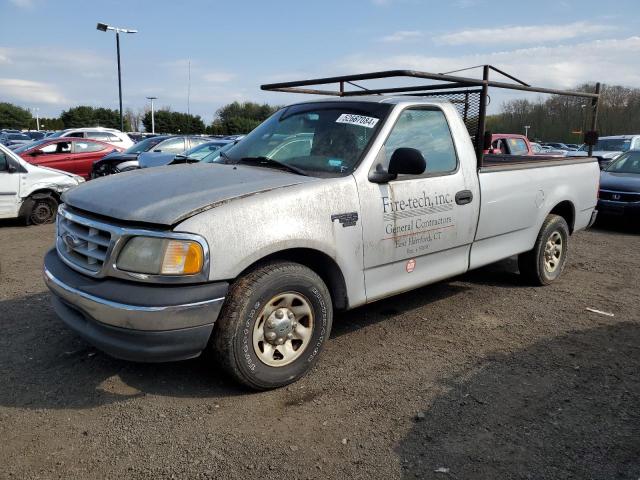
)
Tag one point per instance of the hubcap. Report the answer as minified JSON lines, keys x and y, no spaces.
{"x":41,"y":213}
{"x":283,"y":329}
{"x":553,"y":252}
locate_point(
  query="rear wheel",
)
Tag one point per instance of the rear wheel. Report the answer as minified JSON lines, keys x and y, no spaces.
{"x":43,"y":211}
{"x":274,"y":323}
{"x":544,"y":264}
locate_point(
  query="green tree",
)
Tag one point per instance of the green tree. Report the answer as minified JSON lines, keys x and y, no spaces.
{"x":48,"y":124}
{"x":12,"y":116}
{"x":167,"y":121}
{"x":86,"y":116}
{"x":236,"y":118}
{"x":565,"y":119}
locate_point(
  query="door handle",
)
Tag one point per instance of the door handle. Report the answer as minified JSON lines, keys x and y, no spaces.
{"x":464,"y":196}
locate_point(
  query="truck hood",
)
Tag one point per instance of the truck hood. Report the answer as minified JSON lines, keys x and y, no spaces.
{"x":166,"y":196}
{"x":620,"y":182}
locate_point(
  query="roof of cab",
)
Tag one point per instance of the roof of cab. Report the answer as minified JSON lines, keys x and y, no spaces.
{"x":394,"y":99}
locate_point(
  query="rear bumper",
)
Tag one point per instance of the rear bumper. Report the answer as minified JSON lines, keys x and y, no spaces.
{"x":613,"y":208}
{"x":172,"y":323}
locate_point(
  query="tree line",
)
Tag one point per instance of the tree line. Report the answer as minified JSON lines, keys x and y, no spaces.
{"x":565,"y":119}
{"x":234,"y":118}
{"x":556,"y":118}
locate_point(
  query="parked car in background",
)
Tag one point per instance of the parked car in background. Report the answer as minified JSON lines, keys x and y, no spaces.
{"x":558,"y":146}
{"x":167,"y":145}
{"x":107,"y":135}
{"x":510,"y":144}
{"x":29,"y":192}
{"x":538,"y":149}
{"x":36,"y":134}
{"x":69,"y":154}
{"x":9,"y":139}
{"x":609,"y":148}
{"x":620,"y":186}
{"x":193,"y":155}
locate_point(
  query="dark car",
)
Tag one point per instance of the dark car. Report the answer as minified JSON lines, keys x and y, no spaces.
{"x":36,"y":135}
{"x":10,"y":138}
{"x":128,"y":160}
{"x":620,"y":186}
{"x":69,"y":154}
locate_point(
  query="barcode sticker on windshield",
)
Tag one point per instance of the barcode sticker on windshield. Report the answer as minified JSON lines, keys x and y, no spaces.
{"x":361,"y":120}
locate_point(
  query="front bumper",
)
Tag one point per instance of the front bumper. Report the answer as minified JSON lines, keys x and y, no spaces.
{"x":139,"y":322}
{"x":614,"y":208}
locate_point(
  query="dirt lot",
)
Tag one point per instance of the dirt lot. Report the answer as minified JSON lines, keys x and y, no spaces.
{"x":477,"y":377}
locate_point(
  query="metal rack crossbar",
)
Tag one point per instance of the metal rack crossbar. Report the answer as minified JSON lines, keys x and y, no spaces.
{"x":473,"y":113}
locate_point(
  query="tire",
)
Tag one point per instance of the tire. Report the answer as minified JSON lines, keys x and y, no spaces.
{"x":544,"y":264}
{"x":43,"y":211}
{"x":271,"y":302}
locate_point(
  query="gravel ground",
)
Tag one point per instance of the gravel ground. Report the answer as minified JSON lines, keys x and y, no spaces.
{"x":476,"y":377}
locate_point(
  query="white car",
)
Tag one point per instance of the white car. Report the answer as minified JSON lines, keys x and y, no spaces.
{"x":609,"y":148}
{"x":107,"y":135}
{"x":30,"y":192}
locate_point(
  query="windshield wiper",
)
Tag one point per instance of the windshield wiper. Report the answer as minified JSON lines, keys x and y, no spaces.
{"x":271,"y":163}
{"x":186,"y":158}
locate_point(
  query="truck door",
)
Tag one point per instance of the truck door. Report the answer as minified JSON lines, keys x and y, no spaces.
{"x":9,"y":188}
{"x":419,"y":228}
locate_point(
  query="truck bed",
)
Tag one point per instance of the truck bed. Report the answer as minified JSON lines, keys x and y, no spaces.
{"x":517,"y":193}
{"x":492,"y":163}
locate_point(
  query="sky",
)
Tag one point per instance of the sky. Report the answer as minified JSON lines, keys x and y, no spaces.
{"x":52,"y":57}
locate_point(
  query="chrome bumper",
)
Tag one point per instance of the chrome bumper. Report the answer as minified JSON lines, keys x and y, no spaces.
{"x":173,"y":323}
{"x":115,"y":314}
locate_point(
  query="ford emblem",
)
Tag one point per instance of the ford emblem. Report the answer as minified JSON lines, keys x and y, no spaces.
{"x":71,"y":240}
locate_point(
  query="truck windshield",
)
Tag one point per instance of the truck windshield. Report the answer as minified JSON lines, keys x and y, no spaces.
{"x":324,"y":139}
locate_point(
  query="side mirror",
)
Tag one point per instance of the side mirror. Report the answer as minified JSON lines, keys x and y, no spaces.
{"x":35,"y":153}
{"x":407,"y":161}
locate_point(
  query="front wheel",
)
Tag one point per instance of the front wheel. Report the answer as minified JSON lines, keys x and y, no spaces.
{"x":544,"y":264}
{"x":273,"y":326}
{"x":43,"y":211}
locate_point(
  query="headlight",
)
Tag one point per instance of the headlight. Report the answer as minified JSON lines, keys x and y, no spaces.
{"x":161,"y":256}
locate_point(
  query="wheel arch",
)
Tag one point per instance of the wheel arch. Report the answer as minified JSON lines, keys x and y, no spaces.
{"x":29,"y":200}
{"x":566,"y":210}
{"x":319,"y":262}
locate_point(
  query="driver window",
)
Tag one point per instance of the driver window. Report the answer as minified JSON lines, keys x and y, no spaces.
{"x":425,"y":130}
{"x":4,"y":164}
{"x":56,"y":148}
{"x":172,"y":145}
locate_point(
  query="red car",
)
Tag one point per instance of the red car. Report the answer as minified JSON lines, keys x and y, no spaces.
{"x":74,"y":155}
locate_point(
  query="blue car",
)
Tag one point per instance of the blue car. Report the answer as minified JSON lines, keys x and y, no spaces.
{"x":620,"y":186}
{"x":195,"y":154}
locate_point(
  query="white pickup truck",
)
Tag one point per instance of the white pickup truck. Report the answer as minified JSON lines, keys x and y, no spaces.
{"x":327,"y":205}
{"x":30,"y":192}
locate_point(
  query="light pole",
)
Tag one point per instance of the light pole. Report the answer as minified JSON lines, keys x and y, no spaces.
{"x":526,"y":130}
{"x":153,"y":120}
{"x":37,"y":111}
{"x":103,"y":27}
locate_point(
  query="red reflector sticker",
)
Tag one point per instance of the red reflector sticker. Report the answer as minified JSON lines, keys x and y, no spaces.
{"x":411,"y":265}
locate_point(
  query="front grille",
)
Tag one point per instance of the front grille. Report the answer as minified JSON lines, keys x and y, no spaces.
{"x":81,"y":243}
{"x":619,"y":196}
